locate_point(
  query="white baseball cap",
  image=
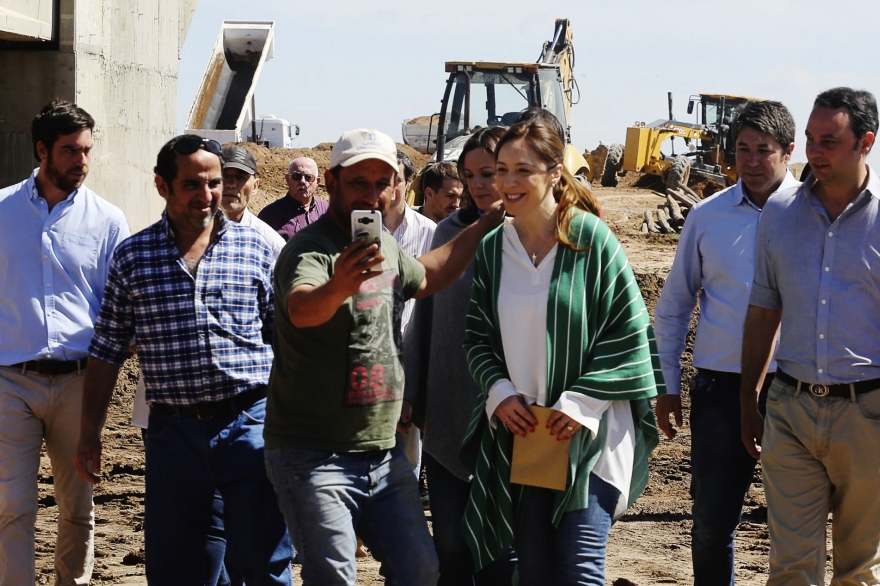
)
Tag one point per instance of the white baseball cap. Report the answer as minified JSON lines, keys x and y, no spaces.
{"x":362,"y":144}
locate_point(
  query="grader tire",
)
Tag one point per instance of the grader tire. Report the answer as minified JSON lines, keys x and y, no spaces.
{"x":678,"y":173}
{"x":612,"y":165}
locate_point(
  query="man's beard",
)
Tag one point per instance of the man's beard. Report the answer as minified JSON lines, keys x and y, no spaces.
{"x":60,"y":179}
{"x":203,"y":222}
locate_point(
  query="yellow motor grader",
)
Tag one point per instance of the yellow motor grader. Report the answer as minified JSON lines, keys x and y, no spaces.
{"x":709,"y":148}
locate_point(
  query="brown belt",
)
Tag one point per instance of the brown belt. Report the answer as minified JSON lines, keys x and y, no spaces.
{"x":50,"y":367}
{"x":845,"y":391}
{"x":213,"y":409}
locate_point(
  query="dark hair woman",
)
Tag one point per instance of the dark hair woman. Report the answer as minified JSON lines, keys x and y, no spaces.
{"x":443,"y":390}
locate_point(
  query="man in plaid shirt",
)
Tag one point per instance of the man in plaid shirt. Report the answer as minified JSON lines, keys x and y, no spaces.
{"x":195,"y":290}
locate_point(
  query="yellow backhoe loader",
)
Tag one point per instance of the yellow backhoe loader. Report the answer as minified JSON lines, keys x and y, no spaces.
{"x":481,"y":93}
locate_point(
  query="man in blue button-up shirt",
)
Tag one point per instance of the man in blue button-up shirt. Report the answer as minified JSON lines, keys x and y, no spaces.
{"x":817,"y":253}
{"x":195,"y":290}
{"x":716,"y":260}
{"x":56,"y":240}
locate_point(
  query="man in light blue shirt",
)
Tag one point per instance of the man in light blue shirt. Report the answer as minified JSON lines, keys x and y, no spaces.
{"x":816,"y":274}
{"x":715,"y":260}
{"x":56,"y":240}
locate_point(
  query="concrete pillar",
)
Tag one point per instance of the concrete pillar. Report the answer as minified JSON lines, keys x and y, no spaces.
{"x":117,"y":60}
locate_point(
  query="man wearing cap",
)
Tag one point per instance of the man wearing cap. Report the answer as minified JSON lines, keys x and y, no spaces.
{"x":330,"y":431}
{"x":195,"y":290}
{"x":299,"y":207}
{"x":56,"y":241}
{"x":240,"y":182}
{"x":816,"y":278}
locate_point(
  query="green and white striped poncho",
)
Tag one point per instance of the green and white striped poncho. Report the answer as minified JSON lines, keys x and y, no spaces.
{"x":599,"y":342}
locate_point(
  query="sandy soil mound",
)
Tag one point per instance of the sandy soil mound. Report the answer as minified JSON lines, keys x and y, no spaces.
{"x":272,"y":167}
{"x":424,"y":120}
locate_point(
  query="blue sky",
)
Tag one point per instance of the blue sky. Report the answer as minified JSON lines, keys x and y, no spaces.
{"x":342,"y":64}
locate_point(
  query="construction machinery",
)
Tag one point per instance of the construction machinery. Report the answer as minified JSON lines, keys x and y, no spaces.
{"x":709,"y":149}
{"x":482,"y":93}
{"x":223,"y":108}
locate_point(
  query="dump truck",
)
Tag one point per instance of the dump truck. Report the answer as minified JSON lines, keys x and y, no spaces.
{"x":273,"y":132}
{"x":709,"y":149}
{"x":224,"y":106}
{"x":421,"y":133}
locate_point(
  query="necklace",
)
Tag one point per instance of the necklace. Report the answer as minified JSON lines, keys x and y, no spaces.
{"x":540,"y":249}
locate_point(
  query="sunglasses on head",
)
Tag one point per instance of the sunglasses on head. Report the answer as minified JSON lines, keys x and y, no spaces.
{"x":189,"y":145}
{"x":296,"y":176}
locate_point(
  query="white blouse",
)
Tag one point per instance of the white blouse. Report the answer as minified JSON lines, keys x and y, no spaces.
{"x":522,"y":316}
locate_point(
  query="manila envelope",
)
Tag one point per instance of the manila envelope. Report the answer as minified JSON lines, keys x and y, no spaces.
{"x":539,"y":459}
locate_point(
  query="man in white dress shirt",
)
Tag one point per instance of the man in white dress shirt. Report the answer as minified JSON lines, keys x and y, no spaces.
{"x":414,"y":233}
{"x":715,"y":260}
{"x":240,"y":183}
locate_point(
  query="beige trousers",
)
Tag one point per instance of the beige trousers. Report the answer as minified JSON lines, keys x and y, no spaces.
{"x":822,"y":455}
{"x":34,"y":408}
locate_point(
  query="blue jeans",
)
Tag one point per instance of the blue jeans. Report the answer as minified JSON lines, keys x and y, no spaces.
{"x":721,"y":473}
{"x":449,"y":496}
{"x":188,"y":460}
{"x":328,"y":497}
{"x":574,"y":551}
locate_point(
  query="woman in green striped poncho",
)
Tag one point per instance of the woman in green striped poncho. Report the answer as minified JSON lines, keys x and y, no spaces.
{"x":556,"y":319}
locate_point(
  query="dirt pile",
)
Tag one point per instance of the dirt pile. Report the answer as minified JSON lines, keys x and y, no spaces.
{"x":424,"y":120}
{"x":272,"y":167}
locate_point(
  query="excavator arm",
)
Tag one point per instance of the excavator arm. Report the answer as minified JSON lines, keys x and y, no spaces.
{"x":561,"y":50}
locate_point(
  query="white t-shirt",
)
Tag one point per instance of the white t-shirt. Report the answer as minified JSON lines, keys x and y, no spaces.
{"x":271,"y":236}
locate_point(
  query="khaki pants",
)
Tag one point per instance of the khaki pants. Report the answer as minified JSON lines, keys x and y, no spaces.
{"x":34,"y":408}
{"x":822,"y":455}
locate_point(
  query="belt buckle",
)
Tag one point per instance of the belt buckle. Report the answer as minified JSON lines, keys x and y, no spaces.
{"x":207,"y":415}
{"x":819,"y":390}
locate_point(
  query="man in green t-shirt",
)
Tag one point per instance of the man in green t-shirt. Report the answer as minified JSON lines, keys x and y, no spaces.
{"x":336,"y":389}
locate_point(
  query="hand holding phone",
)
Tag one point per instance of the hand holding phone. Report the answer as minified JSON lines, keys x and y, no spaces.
{"x":367,"y":224}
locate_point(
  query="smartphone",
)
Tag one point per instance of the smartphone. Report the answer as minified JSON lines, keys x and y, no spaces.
{"x":367,"y":224}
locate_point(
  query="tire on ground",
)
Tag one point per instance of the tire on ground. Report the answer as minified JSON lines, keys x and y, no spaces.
{"x":678,"y":173}
{"x":612,"y":165}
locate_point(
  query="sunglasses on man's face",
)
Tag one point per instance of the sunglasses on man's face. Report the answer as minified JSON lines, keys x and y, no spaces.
{"x":296,"y":176}
{"x":189,"y":145}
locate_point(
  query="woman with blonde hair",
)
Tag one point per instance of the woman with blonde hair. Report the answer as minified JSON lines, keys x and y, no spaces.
{"x":439,"y":384}
{"x":556,"y":320}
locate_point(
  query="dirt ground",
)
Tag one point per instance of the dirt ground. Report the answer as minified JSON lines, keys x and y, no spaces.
{"x":650,"y":545}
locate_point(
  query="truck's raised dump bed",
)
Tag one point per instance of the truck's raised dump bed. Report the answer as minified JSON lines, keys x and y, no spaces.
{"x":221,"y":109}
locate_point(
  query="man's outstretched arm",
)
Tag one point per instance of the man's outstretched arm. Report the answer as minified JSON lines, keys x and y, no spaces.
{"x":445,"y":264}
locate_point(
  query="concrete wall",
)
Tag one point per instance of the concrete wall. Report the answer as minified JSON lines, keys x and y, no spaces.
{"x":118,"y":60}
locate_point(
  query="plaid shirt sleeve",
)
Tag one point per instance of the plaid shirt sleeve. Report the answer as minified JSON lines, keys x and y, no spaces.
{"x":267,"y":304}
{"x":114,"y":327}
